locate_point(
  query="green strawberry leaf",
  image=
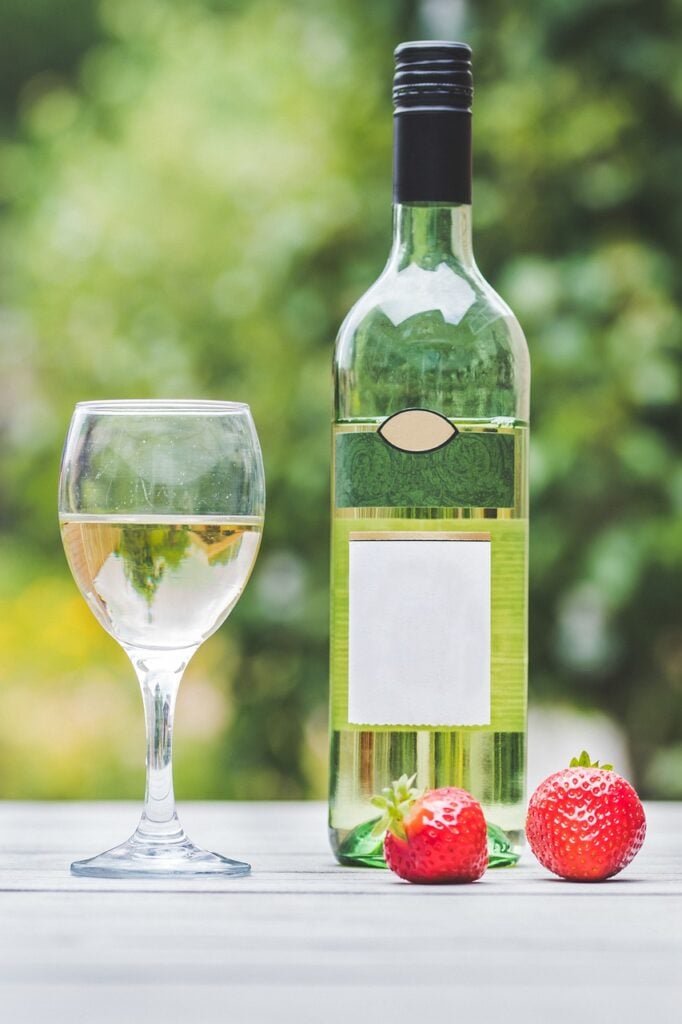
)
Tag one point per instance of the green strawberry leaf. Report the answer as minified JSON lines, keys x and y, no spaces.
{"x":394,"y":803}
{"x":362,"y":847}
{"x":585,"y":761}
{"x":500,"y":852}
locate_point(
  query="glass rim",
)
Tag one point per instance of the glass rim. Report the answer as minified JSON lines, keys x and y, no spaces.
{"x":204,"y":406}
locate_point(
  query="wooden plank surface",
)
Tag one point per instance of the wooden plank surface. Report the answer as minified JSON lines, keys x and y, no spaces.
{"x":302,"y":939}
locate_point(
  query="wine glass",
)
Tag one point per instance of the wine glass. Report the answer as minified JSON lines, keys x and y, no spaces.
{"x":161,"y":508}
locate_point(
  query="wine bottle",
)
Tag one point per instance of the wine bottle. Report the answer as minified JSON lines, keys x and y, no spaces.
{"x":429,"y":485}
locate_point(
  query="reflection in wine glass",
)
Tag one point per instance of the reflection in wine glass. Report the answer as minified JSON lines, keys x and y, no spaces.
{"x":161,"y":510}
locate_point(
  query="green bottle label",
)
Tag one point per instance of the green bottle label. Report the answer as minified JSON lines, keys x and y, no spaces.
{"x":508,"y":547}
{"x":473,"y":470}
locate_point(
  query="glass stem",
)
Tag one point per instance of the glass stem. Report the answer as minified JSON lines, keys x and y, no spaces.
{"x":159,"y":674}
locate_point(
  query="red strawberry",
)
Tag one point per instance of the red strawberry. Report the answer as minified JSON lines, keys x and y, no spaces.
{"x":439,"y":836}
{"x":585,"y":823}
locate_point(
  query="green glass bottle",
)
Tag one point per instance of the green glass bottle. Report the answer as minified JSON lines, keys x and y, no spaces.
{"x":429,"y":494}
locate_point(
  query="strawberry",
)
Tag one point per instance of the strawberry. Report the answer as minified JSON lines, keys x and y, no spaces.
{"x":437,"y":836}
{"x":585,"y":823}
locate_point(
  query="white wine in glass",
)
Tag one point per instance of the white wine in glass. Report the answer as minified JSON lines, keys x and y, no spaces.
{"x":162,"y":581}
{"x":161,"y":512}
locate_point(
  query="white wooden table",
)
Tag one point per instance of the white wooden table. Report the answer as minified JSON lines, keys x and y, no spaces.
{"x":302,"y":939}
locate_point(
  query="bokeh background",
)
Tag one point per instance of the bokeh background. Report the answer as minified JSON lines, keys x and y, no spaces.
{"x":193,"y":193}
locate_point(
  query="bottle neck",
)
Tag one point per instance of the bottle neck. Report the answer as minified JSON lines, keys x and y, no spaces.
{"x":430,"y":234}
{"x":431,"y":186}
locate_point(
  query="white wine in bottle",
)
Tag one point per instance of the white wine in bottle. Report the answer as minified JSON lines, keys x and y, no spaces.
{"x":430,"y":502}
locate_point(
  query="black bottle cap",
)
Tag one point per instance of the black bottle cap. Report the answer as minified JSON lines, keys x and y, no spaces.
{"x":433,"y":73}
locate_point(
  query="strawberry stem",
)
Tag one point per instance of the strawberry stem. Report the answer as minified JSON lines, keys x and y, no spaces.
{"x":394,"y":803}
{"x":585,"y":761}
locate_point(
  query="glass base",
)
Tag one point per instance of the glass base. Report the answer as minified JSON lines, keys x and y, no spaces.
{"x":145,"y":857}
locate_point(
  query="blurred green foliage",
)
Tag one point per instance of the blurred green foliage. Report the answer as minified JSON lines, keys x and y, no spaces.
{"x":193,"y":194}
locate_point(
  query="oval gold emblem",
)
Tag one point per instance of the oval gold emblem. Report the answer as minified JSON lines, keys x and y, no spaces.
{"x":417,"y":430}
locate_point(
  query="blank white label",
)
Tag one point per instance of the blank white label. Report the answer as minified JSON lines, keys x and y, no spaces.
{"x":419,"y":629}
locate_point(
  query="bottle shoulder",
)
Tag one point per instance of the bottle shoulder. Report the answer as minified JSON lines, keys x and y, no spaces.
{"x":400,"y":300}
{"x":432,"y":335}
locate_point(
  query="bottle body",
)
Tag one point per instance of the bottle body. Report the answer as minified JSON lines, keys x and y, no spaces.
{"x":428,"y":642}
